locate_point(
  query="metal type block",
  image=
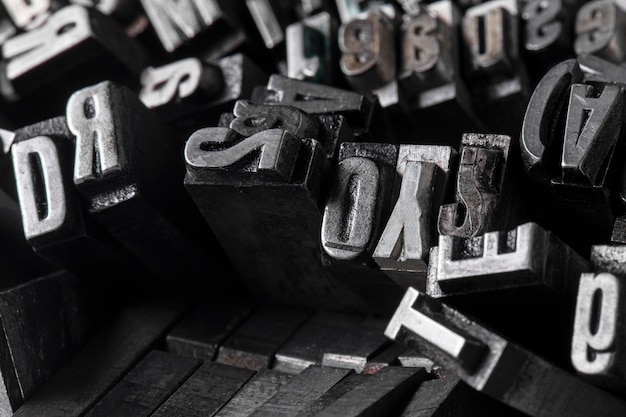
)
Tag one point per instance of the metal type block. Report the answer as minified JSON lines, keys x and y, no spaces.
{"x":200,"y":334}
{"x":358,"y":201}
{"x":412,"y":358}
{"x":254,"y":343}
{"x":556,"y":125}
{"x":330,"y":130}
{"x":270,"y":21}
{"x":253,"y":118}
{"x":609,"y":258}
{"x":380,"y":394}
{"x":146,"y":386}
{"x":301,"y":391}
{"x":19,"y":261}
{"x":104,"y":361}
{"x":368,"y":51}
{"x":179,"y":22}
{"x":310,"y":49}
{"x":54,"y":220}
{"x":592,"y":129}
{"x":545,"y":109}
{"x":350,"y":341}
{"x":422,"y":173}
{"x":222,"y":82}
{"x":547,"y":33}
{"x":483,"y":195}
{"x":361,"y":110}
{"x":121,"y":149}
{"x":600,"y":30}
{"x":354,"y":349}
{"x":500,"y":83}
{"x":368,"y":59}
{"x":205,"y":391}
{"x":452,"y":397}
{"x":386,"y":357}
{"x":337,"y":391}
{"x":72,"y":34}
{"x":430,"y":398}
{"x":492,"y":50}
{"x":525,"y":256}
{"x":543,"y":24}
{"x":598,"y":339}
{"x":357,"y":205}
{"x":260,"y":388}
{"x":187,"y":82}
{"x":493,"y":276}
{"x":248,"y":191}
{"x":493,"y":365}
{"x":43,"y":323}
{"x":430,"y":74}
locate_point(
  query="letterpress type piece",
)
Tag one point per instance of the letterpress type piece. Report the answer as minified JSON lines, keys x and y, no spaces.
{"x":422,"y":173}
{"x":301,"y":391}
{"x":482,"y":189}
{"x":600,"y":30}
{"x":73,"y":33}
{"x":146,"y":386}
{"x":310,"y":49}
{"x":205,"y":391}
{"x":178,"y":22}
{"x":493,"y":365}
{"x":380,"y":394}
{"x":55,"y":222}
{"x":360,"y":109}
{"x":43,"y":323}
{"x":525,"y":256}
{"x":258,"y":338}
{"x":104,"y":361}
{"x":368,"y":51}
{"x":255,"y":185}
{"x":121,"y":149}
{"x":260,"y":388}
{"x":598,"y":336}
{"x":200,"y":334}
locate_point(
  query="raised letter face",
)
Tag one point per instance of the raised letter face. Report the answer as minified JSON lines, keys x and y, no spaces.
{"x":490,"y":32}
{"x":421,"y":175}
{"x":368,"y":49}
{"x":39,"y":185}
{"x":597,"y":324}
{"x":542,"y":26}
{"x":251,"y":119}
{"x":350,"y":211}
{"x":64,"y":29}
{"x":170,"y":82}
{"x":592,"y":129}
{"x":275,"y":152}
{"x":464,"y":349}
{"x":405,"y":242}
{"x":178,"y":21}
{"x":600,"y":30}
{"x":482,"y":204}
{"x":91,"y":118}
{"x":420,"y":46}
